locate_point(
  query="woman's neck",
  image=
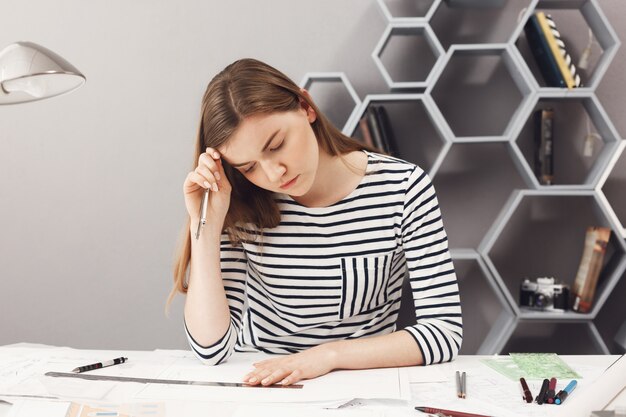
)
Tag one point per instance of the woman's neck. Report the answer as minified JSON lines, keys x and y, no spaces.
{"x":337,"y":177}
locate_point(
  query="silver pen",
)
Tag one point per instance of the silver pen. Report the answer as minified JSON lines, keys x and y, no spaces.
{"x":202,"y":214}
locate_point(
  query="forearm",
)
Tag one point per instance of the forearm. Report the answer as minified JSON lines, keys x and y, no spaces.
{"x":393,"y":350}
{"x":206,"y":309}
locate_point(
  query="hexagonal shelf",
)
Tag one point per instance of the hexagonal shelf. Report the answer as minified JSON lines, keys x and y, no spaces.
{"x":488,"y":323}
{"x":481,"y":92}
{"x":612,"y":317}
{"x":483,"y":169}
{"x":574,"y":116}
{"x":417,"y":127}
{"x":557,"y":337}
{"x":537,"y":234}
{"x":570,"y":16}
{"x":468,"y":21}
{"x":407,"y":55}
{"x":408,"y":10}
{"x":612,"y":185}
{"x":334,"y":96}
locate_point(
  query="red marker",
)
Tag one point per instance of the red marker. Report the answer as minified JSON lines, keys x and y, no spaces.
{"x":528,"y":397}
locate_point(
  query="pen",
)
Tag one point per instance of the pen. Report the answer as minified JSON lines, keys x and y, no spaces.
{"x":99,"y":365}
{"x":551,"y":391}
{"x":459,"y":388}
{"x":528,"y":397}
{"x":543,"y":392}
{"x":562,"y":395}
{"x":202,"y":214}
{"x":450,"y":413}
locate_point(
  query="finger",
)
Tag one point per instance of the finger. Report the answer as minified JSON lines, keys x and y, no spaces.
{"x":217,"y":157}
{"x":195,"y":181}
{"x":209,"y":176}
{"x":275,"y":377}
{"x":292,"y":378}
{"x":258,"y":376}
{"x":208,"y":162}
{"x":213,"y":154}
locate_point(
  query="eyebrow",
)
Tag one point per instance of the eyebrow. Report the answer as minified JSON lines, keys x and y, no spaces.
{"x":262,"y":150}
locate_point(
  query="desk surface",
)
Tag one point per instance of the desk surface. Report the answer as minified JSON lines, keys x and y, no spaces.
{"x":595,"y":383}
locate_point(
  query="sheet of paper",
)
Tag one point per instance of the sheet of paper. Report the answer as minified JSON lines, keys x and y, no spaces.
{"x":337,"y":385}
{"x":300,"y":411}
{"x":598,"y":394}
{"x":490,"y":392}
{"x":431,"y":373}
{"x":35,"y":408}
{"x":22,"y":370}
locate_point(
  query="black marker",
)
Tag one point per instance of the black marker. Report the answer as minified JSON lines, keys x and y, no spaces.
{"x":541,"y":398}
{"x":99,"y":365}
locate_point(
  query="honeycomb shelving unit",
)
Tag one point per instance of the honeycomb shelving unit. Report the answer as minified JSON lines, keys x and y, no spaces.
{"x":464,"y":114}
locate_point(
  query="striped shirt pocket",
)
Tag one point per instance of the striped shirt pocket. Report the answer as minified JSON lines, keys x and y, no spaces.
{"x":365,"y":282}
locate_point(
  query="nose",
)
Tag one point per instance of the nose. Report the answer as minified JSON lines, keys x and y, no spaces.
{"x":275,"y":172}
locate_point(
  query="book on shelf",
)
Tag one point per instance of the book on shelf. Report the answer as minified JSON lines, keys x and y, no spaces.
{"x":584,"y":288}
{"x":543,"y":54}
{"x":365,"y":132}
{"x":544,"y":145}
{"x":559,"y":52}
{"x":377,"y":131}
{"x":386,"y":130}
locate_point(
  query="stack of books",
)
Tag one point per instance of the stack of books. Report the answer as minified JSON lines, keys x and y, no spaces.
{"x":546,"y":45}
{"x":376,"y":129}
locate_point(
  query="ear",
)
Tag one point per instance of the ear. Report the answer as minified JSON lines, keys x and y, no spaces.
{"x":310,"y":112}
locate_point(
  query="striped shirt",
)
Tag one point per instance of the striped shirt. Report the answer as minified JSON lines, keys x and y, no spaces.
{"x":336,"y":272}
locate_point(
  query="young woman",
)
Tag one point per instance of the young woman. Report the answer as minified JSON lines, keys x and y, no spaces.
{"x":308,"y":238}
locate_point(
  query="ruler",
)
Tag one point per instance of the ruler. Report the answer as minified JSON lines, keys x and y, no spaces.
{"x":93,"y":377}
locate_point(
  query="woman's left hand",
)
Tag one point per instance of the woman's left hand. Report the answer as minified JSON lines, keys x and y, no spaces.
{"x":287,"y":370}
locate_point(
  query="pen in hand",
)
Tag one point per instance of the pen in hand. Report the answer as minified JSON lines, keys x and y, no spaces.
{"x":99,"y":365}
{"x":202,"y":214}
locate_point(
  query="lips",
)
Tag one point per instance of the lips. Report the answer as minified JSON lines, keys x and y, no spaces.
{"x":289,"y":183}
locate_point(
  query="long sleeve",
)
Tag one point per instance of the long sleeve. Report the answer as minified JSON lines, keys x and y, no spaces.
{"x":234,"y":271}
{"x":439,"y":328}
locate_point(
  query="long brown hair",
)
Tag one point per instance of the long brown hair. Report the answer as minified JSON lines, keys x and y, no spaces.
{"x":245,"y":88}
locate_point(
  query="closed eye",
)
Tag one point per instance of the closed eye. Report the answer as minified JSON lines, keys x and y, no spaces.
{"x":248,"y":170}
{"x":278,"y":147}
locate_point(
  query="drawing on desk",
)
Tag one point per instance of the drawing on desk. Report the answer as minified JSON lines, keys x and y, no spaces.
{"x":543,"y":365}
{"x":531,"y":366}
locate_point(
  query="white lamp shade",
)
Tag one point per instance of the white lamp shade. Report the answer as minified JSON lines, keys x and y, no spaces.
{"x":30,"y":72}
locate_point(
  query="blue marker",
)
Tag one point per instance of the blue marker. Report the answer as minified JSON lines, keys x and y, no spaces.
{"x":562,"y":395}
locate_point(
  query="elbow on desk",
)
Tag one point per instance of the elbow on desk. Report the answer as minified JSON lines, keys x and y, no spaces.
{"x":437,"y":344}
{"x":214,"y":360}
{"x":216,"y":353}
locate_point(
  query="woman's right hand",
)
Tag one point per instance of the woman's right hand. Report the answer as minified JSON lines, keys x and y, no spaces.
{"x":208,"y":174}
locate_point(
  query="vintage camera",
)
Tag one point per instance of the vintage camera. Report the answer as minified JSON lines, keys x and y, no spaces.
{"x":544,"y":294}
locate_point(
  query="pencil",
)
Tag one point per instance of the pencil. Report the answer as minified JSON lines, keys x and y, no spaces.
{"x":463,"y":385}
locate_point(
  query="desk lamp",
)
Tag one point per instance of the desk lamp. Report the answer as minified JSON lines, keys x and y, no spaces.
{"x":30,"y":72}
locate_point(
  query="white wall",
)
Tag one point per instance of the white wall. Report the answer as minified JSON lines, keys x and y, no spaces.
{"x":91,"y":182}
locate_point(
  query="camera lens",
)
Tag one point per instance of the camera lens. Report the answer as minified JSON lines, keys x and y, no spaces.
{"x":540,"y":300}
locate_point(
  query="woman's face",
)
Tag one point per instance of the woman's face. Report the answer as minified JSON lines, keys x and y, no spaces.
{"x":277,"y":151}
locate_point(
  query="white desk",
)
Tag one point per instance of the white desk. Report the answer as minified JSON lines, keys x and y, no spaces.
{"x":594,"y":389}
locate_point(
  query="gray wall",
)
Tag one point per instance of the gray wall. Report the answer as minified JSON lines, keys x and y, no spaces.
{"x":90,"y":203}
